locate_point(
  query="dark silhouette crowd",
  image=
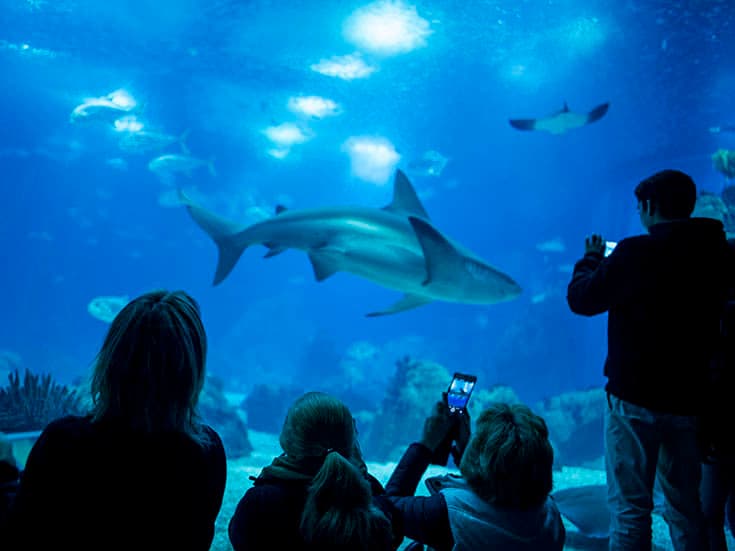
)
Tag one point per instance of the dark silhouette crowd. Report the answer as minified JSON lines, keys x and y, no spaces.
{"x":142,"y":471}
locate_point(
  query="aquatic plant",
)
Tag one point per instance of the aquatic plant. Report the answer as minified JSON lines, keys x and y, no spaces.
{"x":31,"y":402}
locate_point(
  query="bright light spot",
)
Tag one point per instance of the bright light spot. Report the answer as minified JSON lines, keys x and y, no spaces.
{"x":518,"y":70}
{"x":313,"y":106}
{"x":122,"y":99}
{"x":387,"y":28}
{"x":372,"y":159}
{"x":286,"y":134}
{"x":346,"y":67}
{"x":583,"y":34}
{"x":128,"y":124}
{"x":24,"y":47}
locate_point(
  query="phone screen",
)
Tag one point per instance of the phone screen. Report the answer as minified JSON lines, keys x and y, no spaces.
{"x":459,"y":391}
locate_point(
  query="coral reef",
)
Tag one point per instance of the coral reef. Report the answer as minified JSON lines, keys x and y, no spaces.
{"x":224,"y":418}
{"x":482,"y":399}
{"x":411,"y":393}
{"x":723,"y":160}
{"x":31,"y":402}
{"x":576,"y":426}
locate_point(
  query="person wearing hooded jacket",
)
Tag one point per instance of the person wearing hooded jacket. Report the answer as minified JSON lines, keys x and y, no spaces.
{"x":664,"y":293}
{"x":500,"y":501}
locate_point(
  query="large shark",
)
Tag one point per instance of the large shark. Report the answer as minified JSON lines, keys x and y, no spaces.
{"x":561,"y":121}
{"x":396,"y":247}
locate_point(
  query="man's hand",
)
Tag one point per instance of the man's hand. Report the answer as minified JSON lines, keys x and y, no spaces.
{"x":594,"y":244}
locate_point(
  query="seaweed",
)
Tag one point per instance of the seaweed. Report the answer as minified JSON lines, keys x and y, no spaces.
{"x":33,"y":401}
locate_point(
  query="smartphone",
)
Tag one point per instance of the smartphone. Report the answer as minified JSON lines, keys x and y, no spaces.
{"x":459,"y":391}
{"x":609,"y":246}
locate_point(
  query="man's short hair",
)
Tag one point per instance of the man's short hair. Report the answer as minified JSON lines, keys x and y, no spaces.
{"x":509,"y":458}
{"x":672,"y":192}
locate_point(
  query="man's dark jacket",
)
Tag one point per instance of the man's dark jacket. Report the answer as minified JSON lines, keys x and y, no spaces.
{"x":664,"y":293}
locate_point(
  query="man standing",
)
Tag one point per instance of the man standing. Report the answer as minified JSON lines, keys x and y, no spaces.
{"x":664,"y":294}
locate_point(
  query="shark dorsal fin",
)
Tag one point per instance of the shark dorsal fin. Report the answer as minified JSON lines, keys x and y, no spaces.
{"x":405,"y":201}
{"x":440,"y":255}
{"x":565,"y":109}
{"x":280,"y":209}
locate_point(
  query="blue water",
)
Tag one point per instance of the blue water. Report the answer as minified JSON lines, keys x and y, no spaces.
{"x":72,"y":227}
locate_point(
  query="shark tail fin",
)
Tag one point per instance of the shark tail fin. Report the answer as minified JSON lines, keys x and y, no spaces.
{"x":226,"y":235}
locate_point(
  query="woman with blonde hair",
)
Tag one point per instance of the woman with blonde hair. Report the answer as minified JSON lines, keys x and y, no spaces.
{"x":141,"y":471}
{"x":501,"y":501}
{"x":317,"y":495}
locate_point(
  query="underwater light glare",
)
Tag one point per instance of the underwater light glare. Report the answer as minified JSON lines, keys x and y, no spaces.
{"x":583,"y":33}
{"x":122,"y":99}
{"x":387,"y":28}
{"x":286,"y":134}
{"x":372,"y":159}
{"x":313,"y":106}
{"x":128,"y":124}
{"x":346,"y":67}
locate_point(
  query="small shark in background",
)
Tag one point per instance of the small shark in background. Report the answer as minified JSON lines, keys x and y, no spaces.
{"x":561,"y":121}
{"x":396,"y":247}
{"x":166,"y":166}
{"x":729,"y":128}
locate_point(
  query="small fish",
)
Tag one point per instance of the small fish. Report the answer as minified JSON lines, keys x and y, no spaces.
{"x":106,"y":108}
{"x":166,"y":166}
{"x":146,"y":141}
{"x":562,"y":121}
{"x":431,"y":163}
{"x":725,"y":128}
{"x":555,"y":245}
{"x":105,"y":308}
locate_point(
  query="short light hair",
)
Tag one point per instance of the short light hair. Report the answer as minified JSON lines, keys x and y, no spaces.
{"x":151,"y":368}
{"x":508,"y":461}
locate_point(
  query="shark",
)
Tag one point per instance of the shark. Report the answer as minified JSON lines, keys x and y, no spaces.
{"x":396,"y":247}
{"x":562,"y":121}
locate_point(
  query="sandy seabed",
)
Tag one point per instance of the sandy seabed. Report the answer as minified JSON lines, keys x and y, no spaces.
{"x":266,"y":448}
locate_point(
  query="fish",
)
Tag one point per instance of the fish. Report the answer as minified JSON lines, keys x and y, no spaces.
{"x":105,"y":308}
{"x":587,"y":509}
{"x":555,"y":245}
{"x":396,"y":247}
{"x":562,"y":121}
{"x":146,"y":141}
{"x":166,"y":166}
{"x":105,"y":108}
{"x":720,"y":129}
{"x":431,"y":163}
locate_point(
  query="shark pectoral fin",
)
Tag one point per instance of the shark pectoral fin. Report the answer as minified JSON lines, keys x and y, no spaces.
{"x":274,"y":250}
{"x":440,"y":255}
{"x":405,"y":201}
{"x":523,"y":124}
{"x":323,"y":264}
{"x":597,"y":113}
{"x":408,"y":302}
